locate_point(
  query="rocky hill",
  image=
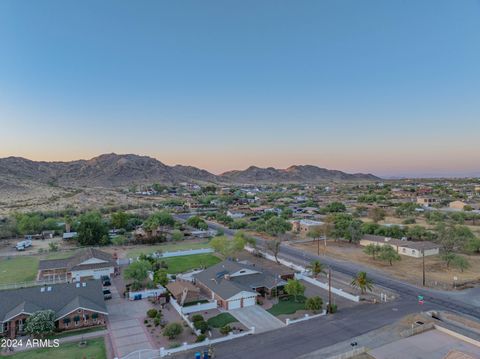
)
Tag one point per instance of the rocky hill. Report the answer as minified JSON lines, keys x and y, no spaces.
{"x":112,"y":170}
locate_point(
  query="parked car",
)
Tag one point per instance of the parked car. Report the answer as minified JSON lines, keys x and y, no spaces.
{"x":106,"y":281}
{"x":107,"y":294}
{"x":23,"y":244}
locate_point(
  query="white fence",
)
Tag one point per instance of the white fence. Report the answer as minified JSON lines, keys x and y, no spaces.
{"x":147,"y":293}
{"x":281,"y":261}
{"x":339,"y":292}
{"x":187,"y":252}
{"x":306,"y":317}
{"x":32,"y":283}
{"x":199,"y":307}
{"x":206,"y":342}
{"x":178,"y":308}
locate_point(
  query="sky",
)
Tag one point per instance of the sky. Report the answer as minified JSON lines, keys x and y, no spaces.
{"x":387,"y":87}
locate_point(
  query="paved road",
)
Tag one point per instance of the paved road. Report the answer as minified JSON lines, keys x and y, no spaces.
{"x":305,"y":337}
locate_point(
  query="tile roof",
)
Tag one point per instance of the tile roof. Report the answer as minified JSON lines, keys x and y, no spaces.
{"x":74,"y":262}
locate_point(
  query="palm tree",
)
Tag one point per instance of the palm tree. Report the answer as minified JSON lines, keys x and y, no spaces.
{"x":317,"y":268}
{"x":362,"y":282}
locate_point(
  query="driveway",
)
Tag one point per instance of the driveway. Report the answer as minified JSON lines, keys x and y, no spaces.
{"x":125,"y":324}
{"x":256,"y":316}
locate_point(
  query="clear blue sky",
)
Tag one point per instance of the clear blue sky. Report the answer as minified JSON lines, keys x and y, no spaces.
{"x":390,"y":87}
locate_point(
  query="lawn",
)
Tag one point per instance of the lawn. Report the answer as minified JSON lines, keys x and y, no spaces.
{"x":288,"y":306}
{"x":221,"y":320}
{"x":170,"y":247}
{"x":95,"y":349}
{"x":24,"y":268}
{"x":186,"y":263}
{"x":69,"y":333}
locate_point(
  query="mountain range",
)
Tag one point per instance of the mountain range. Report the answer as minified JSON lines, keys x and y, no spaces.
{"x":113,"y":170}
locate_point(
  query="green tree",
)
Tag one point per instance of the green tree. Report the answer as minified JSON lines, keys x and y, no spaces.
{"x":377,"y":214}
{"x":40,"y":323}
{"x":197,"y":222}
{"x":294,"y":288}
{"x":473,"y":245}
{"x":362,"y":282}
{"x":159,"y":219}
{"x":276,"y":226}
{"x":29,"y":223}
{"x":448,"y":258}
{"x":177,"y":235}
{"x":314,"y":304}
{"x":388,"y":254}
{"x":461,"y":263}
{"x":173,"y":330}
{"x":317,"y":268}
{"x":274,"y":246}
{"x":138,"y":271}
{"x":92,"y":230}
{"x":372,"y":250}
{"x":335,"y":207}
{"x":119,"y":220}
{"x":228,"y":247}
{"x":160,"y":277}
{"x":355,"y":233}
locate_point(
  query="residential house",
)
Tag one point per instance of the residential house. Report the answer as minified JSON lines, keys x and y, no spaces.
{"x":403,"y":247}
{"x":426,"y":201}
{"x":237,"y":285}
{"x":303,"y":226}
{"x":457,"y":205}
{"x":86,"y":264}
{"x":76,"y":305}
{"x":183,"y":291}
{"x":235,"y":215}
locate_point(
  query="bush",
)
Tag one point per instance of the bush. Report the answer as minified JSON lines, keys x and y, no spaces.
{"x":201,"y":325}
{"x":225,"y":330}
{"x":156,"y":321}
{"x":173,"y":330}
{"x":200,"y":338}
{"x":314,"y":303}
{"x":152,"y":313}
{"x":332,"y":308}
{"x":197,"y":318}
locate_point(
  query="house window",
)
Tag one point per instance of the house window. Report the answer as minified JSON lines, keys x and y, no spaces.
{"x":95,"y":317}
{"x":76,"y":319}
{"x":66,"y":322}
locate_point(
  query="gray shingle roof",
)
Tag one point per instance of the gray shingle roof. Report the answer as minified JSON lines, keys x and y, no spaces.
{"x":62,"y":299}
{"x":215,"y":279}
{"x":74,"y":262}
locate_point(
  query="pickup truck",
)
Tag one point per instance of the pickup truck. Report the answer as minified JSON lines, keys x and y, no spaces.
{"x":23,"y":244}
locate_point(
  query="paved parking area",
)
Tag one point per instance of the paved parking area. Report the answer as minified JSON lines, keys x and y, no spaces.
{"x":125,"y":324}
{"x":428,"y":345}
{"x":256,"y":316}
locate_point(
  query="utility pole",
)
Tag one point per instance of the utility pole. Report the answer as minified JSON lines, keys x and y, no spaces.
{"x":423,"y":266}
{"x":329,"y":289}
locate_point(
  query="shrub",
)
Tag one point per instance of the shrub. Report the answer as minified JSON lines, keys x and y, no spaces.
{"x":173,"y":330}
{"x":156,"y":321}
{"x":145,"y":321}
{"x":225,"y":330}
{"x":174,"y":345}
{"x":152,"y":313}
{"x":200,"y":338}
{"x":201,"y":325}
{"x":332,"y":308}
{"x":197,"y":318}
{"x":314,"y":303}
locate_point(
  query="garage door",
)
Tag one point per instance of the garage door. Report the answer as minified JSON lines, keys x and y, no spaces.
{"x":249,"y":301}
{"x":234,"y":304}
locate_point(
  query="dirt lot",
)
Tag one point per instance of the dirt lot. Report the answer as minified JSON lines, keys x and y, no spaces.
{"x":409,"y":269}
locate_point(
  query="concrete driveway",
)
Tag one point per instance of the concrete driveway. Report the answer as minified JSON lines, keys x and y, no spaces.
{"x":125,"y":324}
{"x":256,"y":316}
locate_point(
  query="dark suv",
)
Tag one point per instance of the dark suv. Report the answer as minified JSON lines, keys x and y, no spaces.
{"x":105,"y":280}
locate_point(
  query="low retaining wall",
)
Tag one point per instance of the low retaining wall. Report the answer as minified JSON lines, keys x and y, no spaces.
{"x":147,"y":293}
{"x":178,"y":308}
{"x":187,"y":252}
{"x":339,"y":292}
{"x":164,"y":352}
{"x":306,"y":317}
{"x":199,"y":307}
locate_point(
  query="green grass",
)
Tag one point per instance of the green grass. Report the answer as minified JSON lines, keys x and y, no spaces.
{"x":24,"y":268}
{"x":95,"y":349}
{"x":221,"y":320}
{"x":186,"y":263}
{"x":287,"y":306}
{"x":170,"y":247}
